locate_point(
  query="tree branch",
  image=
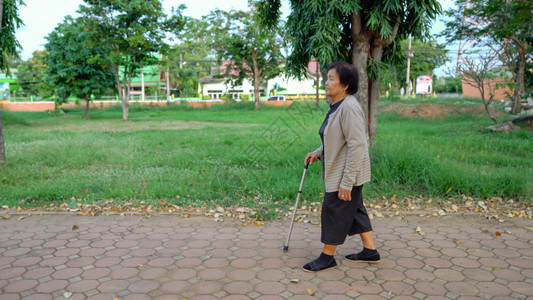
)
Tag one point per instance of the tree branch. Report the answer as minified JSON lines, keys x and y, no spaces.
{"x":394,"y":31}
{"x":268,"y":60}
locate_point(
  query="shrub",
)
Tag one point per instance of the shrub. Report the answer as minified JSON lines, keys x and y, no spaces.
{"x":450,"y":85}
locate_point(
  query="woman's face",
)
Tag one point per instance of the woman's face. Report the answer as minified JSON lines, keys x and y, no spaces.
{"x":334,"y":88}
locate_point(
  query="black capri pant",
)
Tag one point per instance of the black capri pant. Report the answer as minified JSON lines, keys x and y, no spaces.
{"x":343,"y":218}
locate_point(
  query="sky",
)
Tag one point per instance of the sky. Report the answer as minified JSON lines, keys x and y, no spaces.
{"x":41,"y":17}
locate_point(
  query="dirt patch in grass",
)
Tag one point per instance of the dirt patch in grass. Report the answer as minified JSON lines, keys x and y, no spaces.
{"x":391,"y":106}
{"x":434,"y":111}
{"x":428,"y":111}
{"x":479,"y":110}
{"x":121,"y":126}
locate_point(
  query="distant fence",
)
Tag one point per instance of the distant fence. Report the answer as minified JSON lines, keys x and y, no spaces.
{"x":50,"y":106}
{"x":160,"y":97}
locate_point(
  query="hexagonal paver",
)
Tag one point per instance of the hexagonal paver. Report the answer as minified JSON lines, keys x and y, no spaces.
{"x":239,"y":288}
{"x":169,"y":257}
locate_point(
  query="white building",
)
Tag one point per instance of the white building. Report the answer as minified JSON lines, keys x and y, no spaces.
{"x":215,"y":86}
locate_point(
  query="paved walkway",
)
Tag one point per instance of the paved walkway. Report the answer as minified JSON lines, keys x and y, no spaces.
{"x":168,"y":257}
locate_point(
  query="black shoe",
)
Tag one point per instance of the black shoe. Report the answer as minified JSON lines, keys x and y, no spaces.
{"x":367,"y":255}
{"x":323,"y":262}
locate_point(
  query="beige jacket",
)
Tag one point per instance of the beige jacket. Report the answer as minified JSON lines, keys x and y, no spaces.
{"x":346,"y":162}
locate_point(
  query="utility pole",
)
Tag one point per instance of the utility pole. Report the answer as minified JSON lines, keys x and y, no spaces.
{"x":168,"y":85}
{"x":142,"y":83}
{"x":2,"y":145}
{"x":408,"y":81}
{"x":317,"y":83}
{"x":167,"y":75}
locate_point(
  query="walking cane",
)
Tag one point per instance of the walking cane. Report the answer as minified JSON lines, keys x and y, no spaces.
{"x":286,"y":246}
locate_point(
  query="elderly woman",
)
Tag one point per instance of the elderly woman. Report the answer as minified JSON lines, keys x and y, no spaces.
{"x":345,"y":168}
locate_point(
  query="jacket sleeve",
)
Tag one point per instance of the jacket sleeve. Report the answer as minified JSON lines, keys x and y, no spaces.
{"x":353,"y":127}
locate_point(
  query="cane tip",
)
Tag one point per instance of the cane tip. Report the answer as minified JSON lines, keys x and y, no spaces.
{"x":285,"y":248}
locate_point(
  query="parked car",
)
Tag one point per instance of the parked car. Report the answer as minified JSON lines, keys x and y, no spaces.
{"x":277,"y":98}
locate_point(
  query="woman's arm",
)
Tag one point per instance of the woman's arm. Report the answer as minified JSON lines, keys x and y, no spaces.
{"x":315,"y":155}
{"x":353,"y":127}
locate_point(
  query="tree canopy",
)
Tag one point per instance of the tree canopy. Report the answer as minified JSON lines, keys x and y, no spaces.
{"x":135,"y":30}
{"x":193,"y":56}
{"x":78,"y":65}
{"x":253,"y":52}
{"x":504,"y":26}
{"x":9,"y":23}
{"x":427,"y":56}
{"x":31,"y":74}
{"x":360,"y":32}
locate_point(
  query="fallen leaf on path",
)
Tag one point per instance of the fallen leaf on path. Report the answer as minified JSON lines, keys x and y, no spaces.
{"x":310,"y":292}
{"x":419,"y":231}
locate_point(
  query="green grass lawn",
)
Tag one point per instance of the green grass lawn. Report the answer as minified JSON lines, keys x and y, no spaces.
{"x":232,"y":155}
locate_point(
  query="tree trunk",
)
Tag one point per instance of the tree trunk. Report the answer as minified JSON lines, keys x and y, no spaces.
{"x":486,"y":102}
{"x":126,"y":94}
{"x":87,"y":102}
{"x":361,"y":42}
{"x":491,"y":116}
{"x":317,"y":82}
{"x":1,"y":12}
{"x":2,"y":148}
{"x":125,"y":101}
{"x":373,"y":98}
{"x":364,"y":42}
{"x":257,"y":100}
{"x":122,"y":95}
{"x":517,"y":95}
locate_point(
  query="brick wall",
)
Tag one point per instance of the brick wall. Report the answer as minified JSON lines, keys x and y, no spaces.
{"x":499,"y":94}
{"x":49,"y":106}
